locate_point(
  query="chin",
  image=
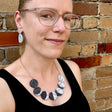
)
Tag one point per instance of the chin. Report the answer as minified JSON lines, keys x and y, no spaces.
{"x":54,"y":55}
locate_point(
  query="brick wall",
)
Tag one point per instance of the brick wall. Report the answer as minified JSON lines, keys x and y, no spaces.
{"x":90,"y":46}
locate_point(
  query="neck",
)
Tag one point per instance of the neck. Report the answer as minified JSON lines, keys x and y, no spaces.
{"x":39,"y":65}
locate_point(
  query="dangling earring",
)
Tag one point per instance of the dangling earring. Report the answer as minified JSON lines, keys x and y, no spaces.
{"x":20,"y":36}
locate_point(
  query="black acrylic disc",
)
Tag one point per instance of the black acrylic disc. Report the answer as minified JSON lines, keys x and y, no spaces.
{"x":44,"y":95}
{"x":37,"y":91}
{"x":33,"y":83}
{"x":52,"y":95}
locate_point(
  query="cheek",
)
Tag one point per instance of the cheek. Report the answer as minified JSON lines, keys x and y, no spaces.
{"x":68,"y":34}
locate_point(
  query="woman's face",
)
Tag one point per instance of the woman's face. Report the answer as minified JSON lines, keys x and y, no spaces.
{"x":46,"y":41}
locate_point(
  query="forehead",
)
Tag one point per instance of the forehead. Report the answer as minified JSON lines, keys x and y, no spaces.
{"x":59,"y":5}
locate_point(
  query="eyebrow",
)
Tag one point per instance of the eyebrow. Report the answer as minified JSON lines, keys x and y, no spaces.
{"x":66,"y":12}
{"x":32,"y":9}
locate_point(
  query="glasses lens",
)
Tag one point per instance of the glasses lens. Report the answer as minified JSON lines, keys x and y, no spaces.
{"x":71,"y":21}
{"x":47,"y":17}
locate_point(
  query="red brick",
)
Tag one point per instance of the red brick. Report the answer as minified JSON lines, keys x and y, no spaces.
{"x":88,"y":61}
{"x":105,"y":48}
{"x":85,"y":9}
{"x":8,"y":39}
{"x":101,"y":48}
{"x":109,"y":48}
{"x":106,"y":0}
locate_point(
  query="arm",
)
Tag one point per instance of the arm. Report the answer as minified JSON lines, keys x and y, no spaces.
{"x":76,"y":71}
{"x":6,"y":99}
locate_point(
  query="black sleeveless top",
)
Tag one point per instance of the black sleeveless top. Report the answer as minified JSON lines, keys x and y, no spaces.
{"x":25,"y":102}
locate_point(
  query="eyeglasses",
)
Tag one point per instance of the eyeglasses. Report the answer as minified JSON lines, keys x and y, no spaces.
{"x":49,"y":17}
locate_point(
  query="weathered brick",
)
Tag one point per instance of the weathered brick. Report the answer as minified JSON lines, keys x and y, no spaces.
{"x":12,"y":54}
{"x":106,"y":36}
{"x":88,"y":49}
{"x":104,"y":71}
{"x":92,"y":106}
{"x":84,"y":36}
{"x":88,"y":74}
{"x":8,"y":5}
{"x":89,"y":22}
{"x":106,"y":60}
{"x":107,"y":110}
{"x":104,"y":82}
{"x":105,"y":22}
{"x":106,"y":9}
{"x":71,"y":50}
{"x":87,"y":62}
{"x":8,"y":39}
{"x":1,"y":55}
{"x":1,"y":23}
{"x":10,"y":22}
{"x":103,"y":93}
{"x":85,"y":9}
{"x":89,"y":85}
{"x":3,"y":66}
{"x":1,"y":17}
{"x":90,"y":95}
{"x":100,"y":104}
{"x":104,"y":103}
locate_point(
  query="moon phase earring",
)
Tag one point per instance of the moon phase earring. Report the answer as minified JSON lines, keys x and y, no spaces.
{"x":20,"y":36}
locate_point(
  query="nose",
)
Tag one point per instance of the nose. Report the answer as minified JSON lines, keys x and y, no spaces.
{"x":59,"y":25}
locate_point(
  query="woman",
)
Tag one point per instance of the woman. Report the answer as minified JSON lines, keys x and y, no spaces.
{"x":39,"y":81}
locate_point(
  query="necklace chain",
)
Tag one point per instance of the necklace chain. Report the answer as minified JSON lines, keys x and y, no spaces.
{"x":45,"y":95}
{"x":25,"y":68}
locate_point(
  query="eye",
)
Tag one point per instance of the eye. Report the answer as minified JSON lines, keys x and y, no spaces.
{"x":46,"y":16}
{"x":67,"y":19}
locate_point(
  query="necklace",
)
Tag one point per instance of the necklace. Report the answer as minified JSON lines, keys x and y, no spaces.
{"x":44,"y":94}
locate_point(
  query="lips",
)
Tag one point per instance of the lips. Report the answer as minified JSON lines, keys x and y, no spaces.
{"x":55,"y":41}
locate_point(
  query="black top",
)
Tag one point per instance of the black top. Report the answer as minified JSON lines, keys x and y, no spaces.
{"x":25,"y":102}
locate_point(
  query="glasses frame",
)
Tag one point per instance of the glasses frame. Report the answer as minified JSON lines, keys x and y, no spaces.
{"x":38,"y":10}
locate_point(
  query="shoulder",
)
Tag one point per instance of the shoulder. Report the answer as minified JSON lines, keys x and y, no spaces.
{"x":6,"y":97}
{"x":76,"y":71}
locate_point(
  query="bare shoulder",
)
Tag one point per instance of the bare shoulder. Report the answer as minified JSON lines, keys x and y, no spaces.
{"x":76,"y":71}
{"x":7,"y":103}
{"x":13,"y":68}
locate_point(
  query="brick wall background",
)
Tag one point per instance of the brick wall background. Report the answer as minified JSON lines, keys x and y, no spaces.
{"x":90,"y":46}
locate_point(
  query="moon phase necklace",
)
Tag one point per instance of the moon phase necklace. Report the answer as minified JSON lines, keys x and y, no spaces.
{"x":44,"y":94}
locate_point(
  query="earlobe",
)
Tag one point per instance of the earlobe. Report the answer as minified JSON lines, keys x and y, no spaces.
{"x":18,"y":20}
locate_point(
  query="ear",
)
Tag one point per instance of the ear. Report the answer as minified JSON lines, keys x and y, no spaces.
{"x":18,"y":20}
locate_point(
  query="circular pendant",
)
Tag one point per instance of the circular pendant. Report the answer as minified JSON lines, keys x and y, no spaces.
{"x":33,"y":83}
{"x":37,"y":91}
{"x":44,"y":95}
{"x":61,"y":85}
{"x":59,"y":91}
{"x":61,"y":78}
{"x":52,"y":95}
